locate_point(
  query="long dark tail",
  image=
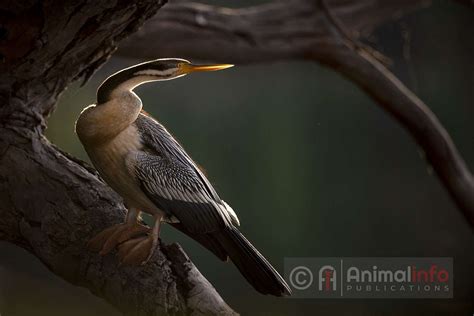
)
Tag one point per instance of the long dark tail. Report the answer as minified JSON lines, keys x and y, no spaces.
{"x":253,"y":266}
{"x":230,"y":243}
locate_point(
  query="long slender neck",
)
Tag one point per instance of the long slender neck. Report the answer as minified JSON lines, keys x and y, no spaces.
{"x":118,"y":83}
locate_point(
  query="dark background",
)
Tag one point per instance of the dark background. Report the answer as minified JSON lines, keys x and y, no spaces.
{"x":311,"y":165}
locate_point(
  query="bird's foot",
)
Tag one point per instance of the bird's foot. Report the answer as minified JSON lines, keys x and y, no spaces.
{"x":109,"y":238}
{"x":137,"y":251}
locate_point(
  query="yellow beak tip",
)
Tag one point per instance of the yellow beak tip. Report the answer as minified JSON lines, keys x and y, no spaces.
{"x":225,"y":66}
{"x":192,"y":68}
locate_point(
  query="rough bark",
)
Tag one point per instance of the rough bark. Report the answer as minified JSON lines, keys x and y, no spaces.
{"x":51,"y":203}
{"x":321,"y":31}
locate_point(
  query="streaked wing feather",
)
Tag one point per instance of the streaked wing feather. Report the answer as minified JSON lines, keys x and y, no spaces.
{"x":177,"y":190}
{"x":174,"y":181}
{"x":159,"y":140}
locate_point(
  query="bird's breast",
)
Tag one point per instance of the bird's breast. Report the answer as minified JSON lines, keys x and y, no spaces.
{"x":110,"y":159}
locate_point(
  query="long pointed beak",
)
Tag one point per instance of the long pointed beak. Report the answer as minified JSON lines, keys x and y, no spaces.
{"x":187,"y":68}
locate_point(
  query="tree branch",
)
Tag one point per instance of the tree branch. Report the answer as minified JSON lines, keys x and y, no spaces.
{"x":278,"y":30}
{"x":310,"y":30}
{"x":51,"y":204}
{"x":390,"y":93}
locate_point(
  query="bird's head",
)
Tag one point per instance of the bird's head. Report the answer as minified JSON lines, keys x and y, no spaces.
{"x":155,"y":70}
{"x":171,"y":68}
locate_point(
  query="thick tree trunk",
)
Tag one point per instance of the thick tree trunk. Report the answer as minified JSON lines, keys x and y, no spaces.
{"x":51,"y":203}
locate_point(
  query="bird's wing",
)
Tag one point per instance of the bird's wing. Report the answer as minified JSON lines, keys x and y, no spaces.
{"x":170,"y":178}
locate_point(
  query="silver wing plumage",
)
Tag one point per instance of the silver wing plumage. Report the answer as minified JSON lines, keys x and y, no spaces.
{"x":172,"y":181}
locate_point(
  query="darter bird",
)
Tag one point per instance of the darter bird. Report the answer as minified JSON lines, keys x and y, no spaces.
{"x":143,"y":163}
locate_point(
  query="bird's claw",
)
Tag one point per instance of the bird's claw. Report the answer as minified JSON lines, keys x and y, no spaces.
{"x":109,"y":238}
{"x":137,"y":251}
